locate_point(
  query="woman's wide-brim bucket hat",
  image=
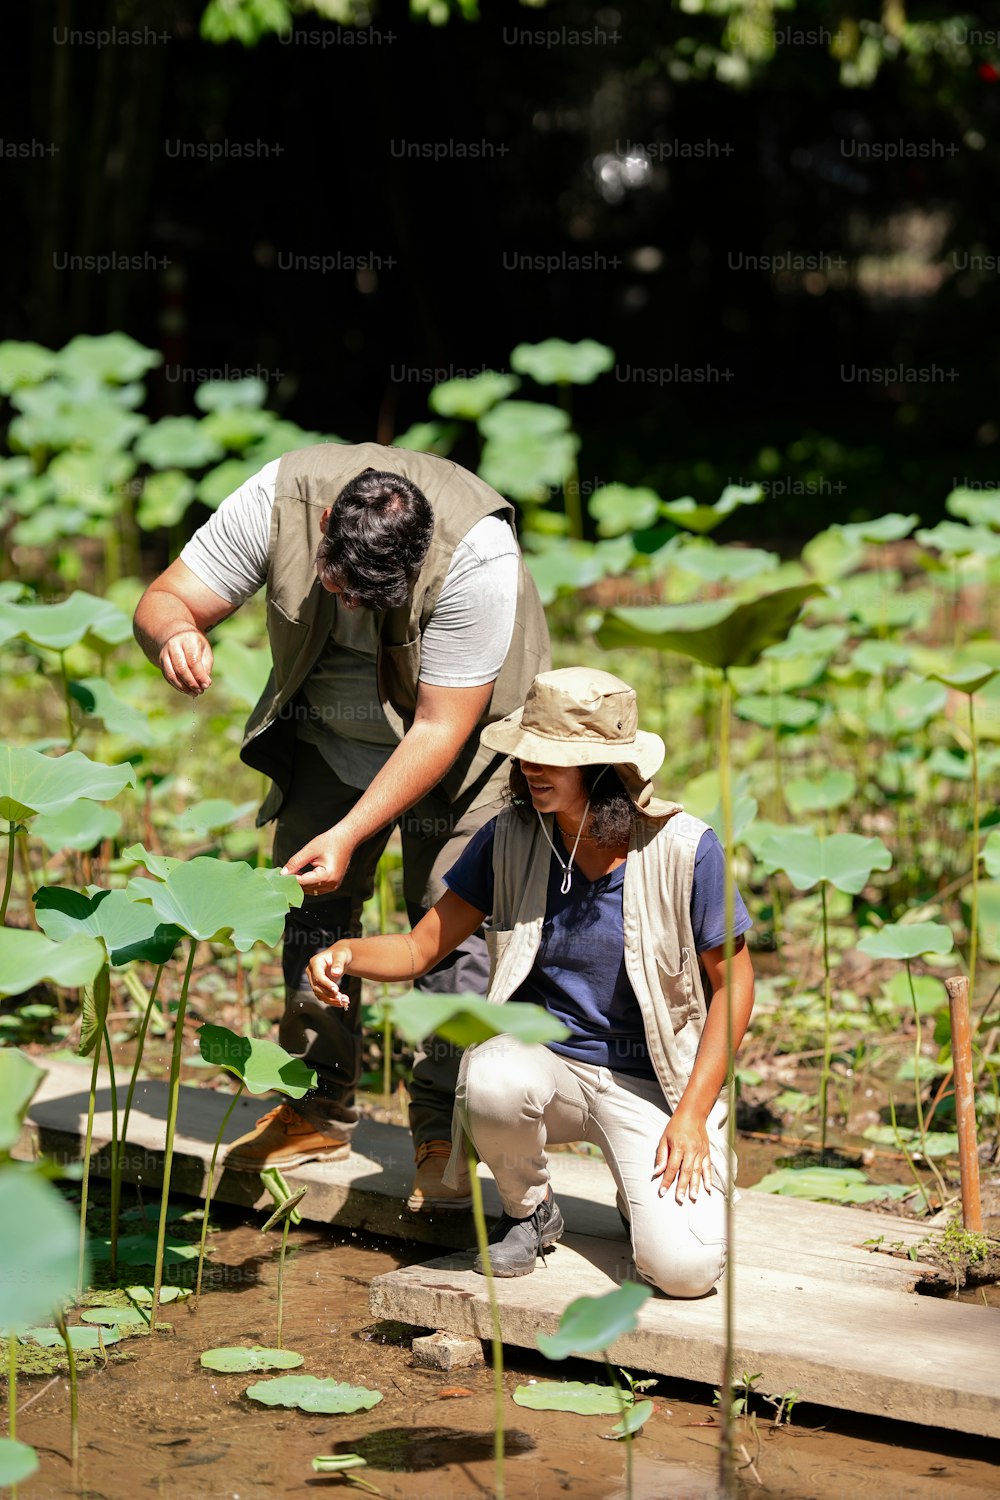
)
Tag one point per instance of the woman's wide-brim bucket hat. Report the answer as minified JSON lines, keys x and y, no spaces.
{"x":582,"y":717}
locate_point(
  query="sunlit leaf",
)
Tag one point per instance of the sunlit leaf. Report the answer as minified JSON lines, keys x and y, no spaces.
{"x":262,"y":1065}
{"x":720,"y":633}
{"x":969,"y":678}
{"x":165,"y":499}
{"x":309,"y":1393}
{"x":828,"y":1185}
{"x":39,"y":1237}
{"x":237,"y":1359}
{"x":464,"y":1019}
{"x":821,"y":794}
{"x":556,"y":362}
{"x":82,"y":617}
{"x":584,"y":1399}
{"x":634,"y":1418}
{"x":218,"y":901}
{"x":112,"y":357}
{"x":178,"y":443}
{"x":591,"y":1324}
{"x":18,"y":1461}
{"x":224,"y":395}
{"x":19,"y":1080}
{"x":906,"y":940}
{"x":130,"y":931}
{"x":618,"y":508}
{"x":212,"y":815}
{"x":80,"y":826}
{"x":23,"y":363}
{"x":472,"y":396}
{"x":844,"y":860}
{"x":30,"y":958}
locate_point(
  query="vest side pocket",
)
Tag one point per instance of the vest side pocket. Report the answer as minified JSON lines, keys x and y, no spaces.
{"x":497,"y":943}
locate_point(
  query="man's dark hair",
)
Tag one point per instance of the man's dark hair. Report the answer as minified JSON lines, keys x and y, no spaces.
{"x":612,"y":811}
{"x":376,"y":538}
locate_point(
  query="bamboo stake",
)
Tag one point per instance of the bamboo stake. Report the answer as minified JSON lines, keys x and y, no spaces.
{"x":965,"y":1101}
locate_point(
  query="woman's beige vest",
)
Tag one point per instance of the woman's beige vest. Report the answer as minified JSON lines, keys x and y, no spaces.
{"x":300,"y":612}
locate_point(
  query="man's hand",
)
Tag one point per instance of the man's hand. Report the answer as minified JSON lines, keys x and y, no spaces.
{"x":325,"y":971}
{"x":329,"y":855}
{"x":683,"y":1156}
{"x":186,"y":662}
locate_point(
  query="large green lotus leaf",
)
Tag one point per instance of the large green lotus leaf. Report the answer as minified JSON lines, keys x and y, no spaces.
{"x":178,"y":443}
{"x":960,"y":541}
{"x":80,"y":1337}
{"x":464,"y":1019}
{"x":777,"y":710}
{"x":217,"y":901}
{"x":262,"y":1065}
{"x":237,"y":1359}
{"x":19,"y":1079}
{"x":929,"y":993}
{"x":226,"y":477}
{"x":23,"y":363}
{"x":81,"y":617}
{"x":806,"y":641}
{"x":895,"y":611}
{"x":991,"y":853}
{"x":235,"y":428}
{"x":572,"y":565}
{"x":58,"y":416}
{"x":115,"y":1317}
{"x":875,"y":658}
{"x":980,"y":507}
{"x":719,"y":633}
{"x":472,"y":397}
{"x":165,"y":499}
{"x":822,"y":794}
{"x":905,"y":940}
{"x":224,"y":395}
{"x":528,"y":468}
{"x":212,"y":815}
{"x":240,"y":671}
{"x":569,"y":1395}
{"x":309,"y":1393}
{"x":909,"y":706}
{"x":703,"y":797}
{"x":516,"y":421}
{"x":112,"y":357}
{"x":618,"y":508}
{"x":129,"y":930}
{"x":39,"y":1248}
{"x":828,"y":1185}
{"x":29,"y":958}
{"x":556,"y":362}
{"x":429,"y":437}
{"x":286,"y":437}
{"x":844,"y":860}
{"x":91,"y":480}
{"x":18,"y":1461}
{"x":715,"y":564}
{"x":31,"y":782}
{"x":158,"y":865}
{"x":79,"y":826}
{"x":968,"y":678}
{"x":98,"y":700}
{"x":591,"y":1324}
{"x":702,"y":519}
{"x":890,"y":528}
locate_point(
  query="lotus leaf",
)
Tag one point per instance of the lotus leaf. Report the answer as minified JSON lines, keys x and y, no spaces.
{"x":112,"y":357}
{"x":591,"y":1324}
{"x":143,"y":1295}
{"x":80,"y":618}
{"x":29,"y":958}
{"x":960,"y":541}
{"x":98,"y":700}
{"x":906,"y":940}
{"x":635,"y":1417}
{"x":224,"y":395}
{"x":890,"y":528}
{"x":140,"y":1250}
{"x":23,"y":363}
{"x":165,"y":499}
{"x":777,"y":710}
{"x":875,"y":658}
{"x":528,"y":468}
{"x":80,"y":1337}
{"x":19,"y":1079}
{"x":213,"y":815}
{"x":619,"y":508}
{"x":18,"y":1461}
{"x":518,"y":421}
{"x":980,"y":507}
{"x":821,"y":795}
{"x":226,"y":477}
{"x":115,"y":1317}
{"x":806,"y":641}
{"x":556,"y":362}
{"x":235,"y":428}
{"x":844,"y":860}
{"x":464,"y":1019}
{"x":240,"y":671}
{"x":158,"y":865}
{"x":429,"y":437}
{"x":178,"y":443}
{"x":80,"y":826}
{"x":828,"y":1185}
{"x":969,"y":678}
{"x":991,"y":853}
{"x":569,"y":1395}
{"x":262,"y":1065}
{"x":39,"y":1247}
{"x":721,"y":633}
{"x":237,"y":1359}
{"x":473,"y":396}
{"x":311,"y":1394}
{"x":129,"y":930}
{"x":215,"y":901}
{"x":715,"y":564}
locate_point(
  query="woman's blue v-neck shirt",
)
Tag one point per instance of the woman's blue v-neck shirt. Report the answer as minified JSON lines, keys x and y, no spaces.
{"x":579,"y":971}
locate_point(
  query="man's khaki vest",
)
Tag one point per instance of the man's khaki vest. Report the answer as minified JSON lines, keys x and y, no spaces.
{"x":301,"y":612}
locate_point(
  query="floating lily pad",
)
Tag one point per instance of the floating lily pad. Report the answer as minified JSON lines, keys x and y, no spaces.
{"x":144,"y":1294}
{"x":828,"y":1185}
{"x":110,"y":1317}
{"x":80,"y":1338}
{"x":310,"y":1393}
{"x":238,"y":1360}
{"x":569,"y":1395}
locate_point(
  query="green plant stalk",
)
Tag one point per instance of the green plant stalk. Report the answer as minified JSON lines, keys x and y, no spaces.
{"x":115,"y":1143}
{"x":134,"y":986}
{"x":824,"y":1078}
{"x":281,"y":1277}
{"x":74,"y":1409}
{"x":12,"y":1385}
{"x":623,"y":1415}
{"x":921,"y":1189}
{"x":974,"y":934}
{"x":88,"y":1141}
{"x":168,"y":1151}
{"x":208,"y":1197}
{"x":67,"y":699}
{"x":727,"y":1475}
{"x":482,"y":1242}
{"x":29,"y":884}
{"x":9,"y":872}
{"x":917,"y":1091}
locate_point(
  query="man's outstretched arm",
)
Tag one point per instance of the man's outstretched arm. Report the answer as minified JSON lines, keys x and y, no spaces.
{"x":170,"y":625}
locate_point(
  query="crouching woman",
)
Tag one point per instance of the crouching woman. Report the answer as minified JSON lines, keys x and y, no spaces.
{"x":606,"y":906}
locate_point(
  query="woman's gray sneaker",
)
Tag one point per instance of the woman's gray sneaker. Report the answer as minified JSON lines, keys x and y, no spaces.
{"x":516,"y":1244}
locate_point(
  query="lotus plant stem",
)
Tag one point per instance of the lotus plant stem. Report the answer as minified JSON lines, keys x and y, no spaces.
{"x":974,"y":934}
{"x":88,"y":1141}
{"x":9,"y":872}
{"x":168,"y":1150}
{"x":135,"y":988}
{"x":208,"y":1202}
{"x":482,"y":1241}
{"x":727,"y":1480}
{"x":917,"y":1089}
{"x":909,"y":1159}
{"x":12,"y":1385}
{"x":623,"y":1412}
{"x":74,"y":1410}
{"x":115,"y":1147}
{"x":22,"y":849}
{"x":67,"y":699}
{"x":281,"y":1277}
{"x":824,"y":1077}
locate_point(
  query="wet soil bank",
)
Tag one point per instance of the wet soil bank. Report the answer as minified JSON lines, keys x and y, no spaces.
{"x":154,"y":1423}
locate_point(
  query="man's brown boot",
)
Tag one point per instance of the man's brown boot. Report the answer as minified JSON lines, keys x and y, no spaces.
{"x":429,"y":1193}
{"x":282,"y":1138}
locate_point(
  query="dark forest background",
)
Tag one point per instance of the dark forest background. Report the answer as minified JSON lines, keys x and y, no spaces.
{"x":664,"y":150}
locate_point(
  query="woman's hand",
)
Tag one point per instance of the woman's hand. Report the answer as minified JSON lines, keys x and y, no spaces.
{"x":325,"y":971}
{"x":683,"y":1156}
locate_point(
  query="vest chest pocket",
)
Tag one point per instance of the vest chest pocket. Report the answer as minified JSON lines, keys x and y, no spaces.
{"x":497,"y":943}
{"x":287,"y":638}
{"x":399,"y":673}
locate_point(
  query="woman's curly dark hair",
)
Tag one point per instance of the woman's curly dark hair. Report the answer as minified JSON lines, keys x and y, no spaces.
{"x":376,"y":538}
{"x":612,"y":812}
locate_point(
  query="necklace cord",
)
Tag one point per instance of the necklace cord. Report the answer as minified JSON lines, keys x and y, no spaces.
{"x":567,"y":869}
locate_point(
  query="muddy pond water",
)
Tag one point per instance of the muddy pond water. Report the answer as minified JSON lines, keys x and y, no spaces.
{"x":155,"y":1423}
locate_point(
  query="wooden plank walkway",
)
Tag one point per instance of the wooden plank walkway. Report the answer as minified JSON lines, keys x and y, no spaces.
{"x":816,"y":1310}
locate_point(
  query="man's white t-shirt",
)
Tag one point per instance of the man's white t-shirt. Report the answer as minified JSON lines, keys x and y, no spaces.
{"x":464,"y":644}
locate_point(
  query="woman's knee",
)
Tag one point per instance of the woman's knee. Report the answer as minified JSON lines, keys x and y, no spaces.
{"x":681,"y":1270}
{"x":498,"y":1073}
